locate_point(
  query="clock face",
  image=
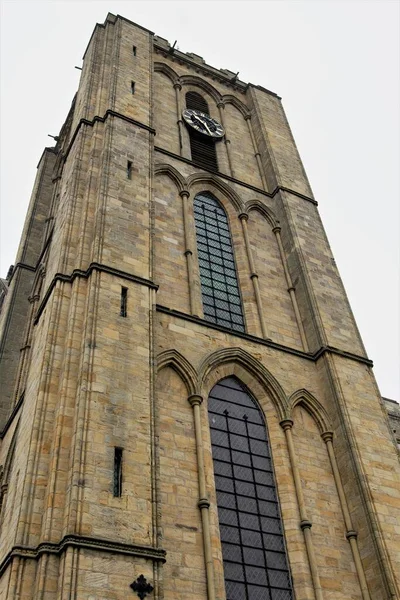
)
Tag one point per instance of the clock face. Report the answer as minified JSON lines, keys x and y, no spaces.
{"x":203,"y":123}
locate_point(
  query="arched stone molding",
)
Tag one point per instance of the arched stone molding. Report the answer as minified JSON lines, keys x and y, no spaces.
{"x":266,"y":212}
{"x":192,"y":80}
{"x":172,"y":173}
{"x":224,"y":188}
{"x":229,"y":99}
{"x":174,"y":359}
{"x":313,"y":407}
{"x":248,"y":365}
{"x":166,"y":69}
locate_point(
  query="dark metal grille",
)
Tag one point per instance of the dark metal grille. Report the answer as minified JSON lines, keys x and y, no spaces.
{"x":202,"y":148}
{"x":253,"y":547}
{"x":196,"y":102}
{"x":219,"y":285}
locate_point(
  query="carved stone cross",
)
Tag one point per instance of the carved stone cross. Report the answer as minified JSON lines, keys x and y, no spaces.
{"x":141,"y":587}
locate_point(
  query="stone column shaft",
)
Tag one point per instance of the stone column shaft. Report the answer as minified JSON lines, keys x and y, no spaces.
{"x":203,"y":503}
{"x":253,"y":275}
{"x":305,"y":523}
{"x":351,"y":534}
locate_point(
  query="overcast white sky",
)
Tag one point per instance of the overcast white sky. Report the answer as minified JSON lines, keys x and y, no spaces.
{"x":336,"y":65}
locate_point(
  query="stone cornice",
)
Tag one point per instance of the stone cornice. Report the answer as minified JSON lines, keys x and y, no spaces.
{"x":98,"y":119}
{"x":83,"y":542}
{"x":210,"y":72}
{"x":20,"y":265}
{"x":85,"y":274}
{"x":313,"y":356}
{"x":238,"y":181}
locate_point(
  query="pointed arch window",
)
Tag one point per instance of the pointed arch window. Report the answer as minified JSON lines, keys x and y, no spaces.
{"x":219,"y":285}
{"x":253,"y":546}
{"x":202,"y":148}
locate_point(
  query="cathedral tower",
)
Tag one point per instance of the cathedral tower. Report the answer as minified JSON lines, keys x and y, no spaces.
{"x":187,"y":411}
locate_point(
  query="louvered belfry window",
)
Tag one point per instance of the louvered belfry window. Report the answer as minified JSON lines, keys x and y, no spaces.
{"x":219,"y":285}
{"x":253,"y":546}
{"x":202,"y":147}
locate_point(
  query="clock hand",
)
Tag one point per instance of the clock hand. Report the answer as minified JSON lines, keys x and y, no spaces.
{"x":204,"y":123}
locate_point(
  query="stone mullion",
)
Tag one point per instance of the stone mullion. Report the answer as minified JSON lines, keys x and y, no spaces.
{"x":305,"y":523}
{"x":253,"y":275}
{"x":227,"y":142}
{"x":194,"y":282}
{"x":203,"y":503}
{"x":256,"y":152}
{"x":291,"y":289}
{"x":351,"y":534}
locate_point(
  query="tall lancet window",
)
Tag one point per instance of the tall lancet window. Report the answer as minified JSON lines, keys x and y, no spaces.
{"x":201,"y":146}
{"x":219,"y":285}
{"x":253,"y":546}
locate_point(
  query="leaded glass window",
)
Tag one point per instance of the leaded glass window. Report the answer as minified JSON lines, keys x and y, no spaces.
{"x":219,"y":285}
{"x":253,"y":546}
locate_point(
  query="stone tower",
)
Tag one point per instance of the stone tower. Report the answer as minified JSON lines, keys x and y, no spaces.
{"x":188,"y":411}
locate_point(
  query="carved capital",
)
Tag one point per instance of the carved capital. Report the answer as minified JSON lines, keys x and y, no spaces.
{"x":195,"y":399}
{"x":221,"y":104}
{"x":351,"y":534}
{"x":244,"y":217}
{"x":184,"y":193}
{"x":247,"y":117}
{"x":327,"y":436}
{"x":286,"y":424}
{"x":276,"y":229}
{"x":177,"y":85}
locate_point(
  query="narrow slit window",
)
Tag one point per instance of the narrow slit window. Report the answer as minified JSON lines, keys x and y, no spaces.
{"x":129,"y":169}
{"x":117,"y":472}
{"x":134,"y":50}
{"x":132,"y":87}
{"x":124,"y":301}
